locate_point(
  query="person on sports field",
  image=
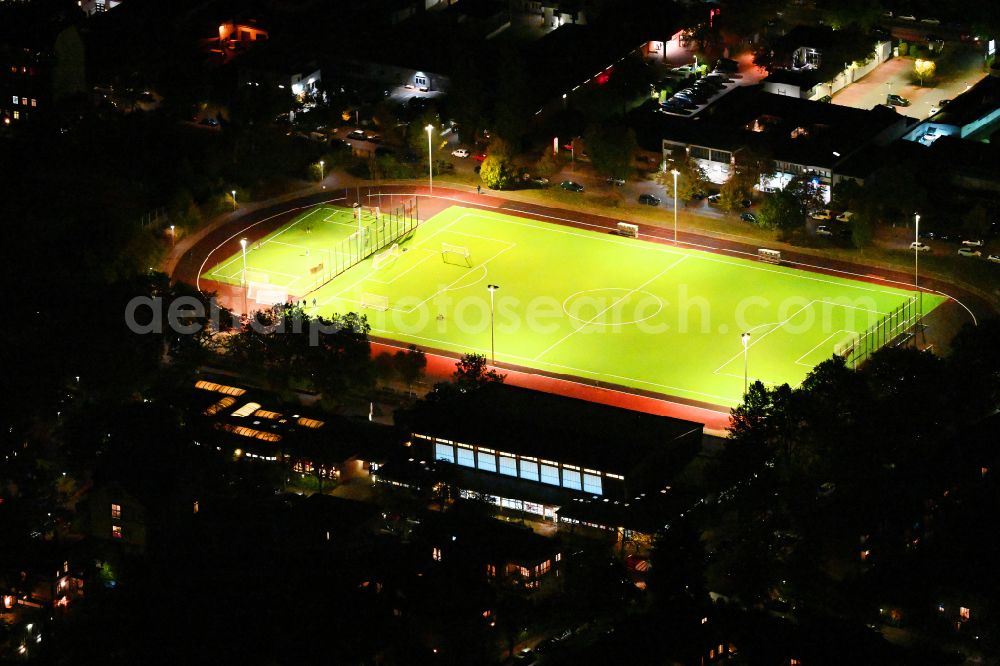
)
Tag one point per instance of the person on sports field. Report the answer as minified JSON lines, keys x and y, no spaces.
{"x":479,"y":189}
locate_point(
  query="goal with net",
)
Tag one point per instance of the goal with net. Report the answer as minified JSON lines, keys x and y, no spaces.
{"x":386,"y":256}
{"x":447,"y":249}
{"x":375,"y":302}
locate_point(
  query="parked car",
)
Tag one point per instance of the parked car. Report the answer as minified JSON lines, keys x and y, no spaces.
{"x":460,"y":152}
{"x":845,"y":216}
{"x":747,"y":203}
{"x":970,"y":252}
{"x":824,"y":214}
{"x":714,"y":198}
{"x":823,"y":230}
{"x":681,"y":103}
{"x":697,"y":196}
{"x":930,"y":21}
{"x":570,"y":186}
{"x":541,"y":182}
{"x":972,"y":243}
{"x":479,"y":157}
{"x":616,"y":181}
{"x":748,"y":217}
{"x":825,"y":99}
{"x":374,"y":138}
{"x":995,"y":258}
{"x":892,"y":99}
{"x":356,"y":135}
{"x":907,"y":17}
{"x":920,"y":247}
{"x":649,"y":200}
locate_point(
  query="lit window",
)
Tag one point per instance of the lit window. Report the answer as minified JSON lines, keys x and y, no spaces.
{"x":466,"y":458}
{"x":491,"y":571}
{"x":529,"y":470}
{"x":571,"y":479}
{"x":487,"y":461}
{"x":965,"y":613}
{"x":116,"y":511}
{"x":15,"y":99}
{"x":550,"y":475}
{"x":195,"y":507}
{"x":444,"y":452}
{"x":436,"y":554}
{"x":592,"y":484}
{"x":508,"y":465}
{"x":309,"y":423}
{"x":219,"y":388}
{"x":246,"y":410}
{"x":17,"y":114}
{"x":116,"y":531}
{"x":34,"y":102}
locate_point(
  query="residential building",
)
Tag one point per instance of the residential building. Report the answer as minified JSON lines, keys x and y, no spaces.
{"x":41,"y":59}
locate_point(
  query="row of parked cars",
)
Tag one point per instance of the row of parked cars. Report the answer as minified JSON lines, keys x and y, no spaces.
{"x":700,"y":93}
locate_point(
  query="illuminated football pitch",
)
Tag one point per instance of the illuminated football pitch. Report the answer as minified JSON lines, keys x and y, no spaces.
{"x":594,"y":305}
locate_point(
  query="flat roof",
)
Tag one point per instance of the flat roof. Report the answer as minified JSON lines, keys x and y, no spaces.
{"x":794,"y":130}
{"x":980,"y":100}
{"x":545,"y":425}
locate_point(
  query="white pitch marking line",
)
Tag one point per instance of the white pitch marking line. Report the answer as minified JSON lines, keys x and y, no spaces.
{"x":798,"y":361}
{"x":764,"y":335}
{"x":613,"y":304}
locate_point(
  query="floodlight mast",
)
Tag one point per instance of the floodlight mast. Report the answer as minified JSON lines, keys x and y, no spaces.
{"x":493,"y":352}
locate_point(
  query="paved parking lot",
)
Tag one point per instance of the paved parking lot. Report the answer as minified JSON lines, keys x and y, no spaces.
{"x":959,"y":68}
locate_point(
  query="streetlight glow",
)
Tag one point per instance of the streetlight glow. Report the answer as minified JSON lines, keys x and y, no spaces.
{"x":233,"y":192}
{"x":430,"y":161}
{"x":493,"y":352}
{"x":745,"y":337}
{"x":676,"y":173}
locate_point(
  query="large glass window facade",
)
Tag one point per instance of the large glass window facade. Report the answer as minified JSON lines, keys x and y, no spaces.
{"x":444,"y":452}
{"x":466,"y":457}
{"x":487,"y":460}
{"x":508,"y":465}
{"x":571,"y":478}
{"x":592,"y":484}
{"x":529,"y":470}
{"x":550,"y":474}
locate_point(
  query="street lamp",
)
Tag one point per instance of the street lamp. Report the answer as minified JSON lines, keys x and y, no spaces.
{"x":172,"y":235}
{"x":916,"y":273}
{"x":493,"y":353}
{"x":676,"y":173}
{"x":322,"y":172}
{"x":430,"y":162}
{"x":745,"y":337}
{"x":243,"y":277}
{"x":233,"y":192}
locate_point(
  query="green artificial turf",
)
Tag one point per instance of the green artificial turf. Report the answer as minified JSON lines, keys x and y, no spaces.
{"x":590,"y":304}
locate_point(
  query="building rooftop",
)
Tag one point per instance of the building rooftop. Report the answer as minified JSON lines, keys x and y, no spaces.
{"x":257,"y":422}
{"x":520,"y":420}
{"x":972,"y":105}
{"x":791,"y":129}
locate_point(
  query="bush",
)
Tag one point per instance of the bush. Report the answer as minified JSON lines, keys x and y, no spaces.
{"x":496,"y":173}
{"x":548,"y":165}
{"x":903,"y":48}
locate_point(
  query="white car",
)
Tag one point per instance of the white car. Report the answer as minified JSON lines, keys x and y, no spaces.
{"x":920,"y":247}
{"x":845,"y":216}
{"x":907,"y":17}
{"x":823,"y":230}
{"x":969,"y":252}
{"x":931,"y":21}
{"x":822,"y":215}
{"x":460,"y":152}
{"x":972,"y":243}
{"x":995,"y":258}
